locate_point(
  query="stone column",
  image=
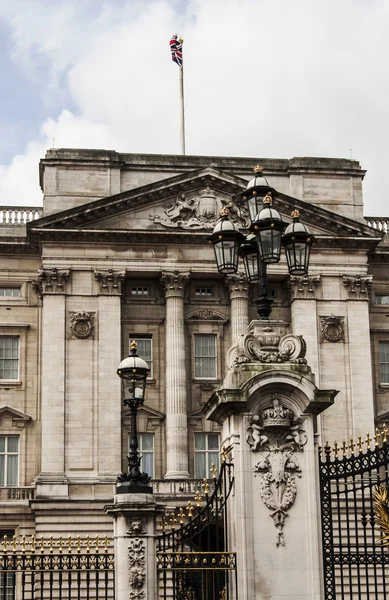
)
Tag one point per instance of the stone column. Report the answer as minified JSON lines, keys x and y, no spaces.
{"x":109,"y":400}
{"x":239,"y":292}
{"x":360,"y":377}
{"x":135,"y":549}
{"x":304,"y":316}
{"x":51,"y":287}
{"x":176,"y":408}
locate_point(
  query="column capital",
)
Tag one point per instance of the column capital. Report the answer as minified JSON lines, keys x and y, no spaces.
{"x":174,"y":283}
{"x":303,"y":286}
{"x":51,"y":281}
{"x":110,"y":281}
{"x":358,"y":286}
{"x":237,"y":285}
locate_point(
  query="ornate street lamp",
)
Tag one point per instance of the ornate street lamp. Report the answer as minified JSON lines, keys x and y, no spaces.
{"x":263,"y":246}
{"x":133,"y":372}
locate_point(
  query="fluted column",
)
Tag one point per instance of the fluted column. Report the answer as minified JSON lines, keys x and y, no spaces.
{"x":239,"y":293}
{"x":176,"y":408}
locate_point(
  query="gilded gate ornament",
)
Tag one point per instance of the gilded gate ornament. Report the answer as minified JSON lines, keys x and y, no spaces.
{"x":277,"y":435}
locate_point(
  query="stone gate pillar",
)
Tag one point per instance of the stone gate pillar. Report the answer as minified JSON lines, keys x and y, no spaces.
{"x":176,"y":407}
{"x":267,"y":407}
{"x":134,"y":518}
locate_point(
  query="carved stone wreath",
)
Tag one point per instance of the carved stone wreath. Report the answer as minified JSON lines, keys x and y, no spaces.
{"x":332,"y":329}
{"x":136,"y":567}
{"x":81,"y":324}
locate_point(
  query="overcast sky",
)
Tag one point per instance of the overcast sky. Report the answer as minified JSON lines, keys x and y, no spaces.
{"x":263,"y":78}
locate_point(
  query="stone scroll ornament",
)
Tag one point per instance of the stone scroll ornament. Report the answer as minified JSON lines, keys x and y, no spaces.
{"x":276,"y":435}
{"x":136,"y":568}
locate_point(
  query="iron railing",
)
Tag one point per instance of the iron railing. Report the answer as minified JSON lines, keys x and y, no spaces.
{"x":355,"y":561}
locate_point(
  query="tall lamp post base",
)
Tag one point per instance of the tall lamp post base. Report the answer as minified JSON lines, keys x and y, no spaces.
{"x":133,"y":487}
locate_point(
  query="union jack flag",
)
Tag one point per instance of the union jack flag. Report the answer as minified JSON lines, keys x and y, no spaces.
{"x":176,"y":49}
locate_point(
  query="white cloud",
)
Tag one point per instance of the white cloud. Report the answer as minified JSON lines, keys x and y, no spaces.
{"x":262,"y":78}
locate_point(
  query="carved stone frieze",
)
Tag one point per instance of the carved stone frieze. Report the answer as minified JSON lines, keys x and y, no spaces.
{"x":81,"y":324}
{"x":198,"y":210}
{"x":174,"y":283}
{"x":136,"y":526}
{"x":332,"y":329}
{"x":137,"y":567}
{"x":358,"y":286}
{"x":110,"y":281}
{"x":237,"y":285}
{"x":205,"y":314}
{"x":269,"y":347}
{"x":303,"y":286}
{"x":276,"y":435}
{"x":51,"y":281}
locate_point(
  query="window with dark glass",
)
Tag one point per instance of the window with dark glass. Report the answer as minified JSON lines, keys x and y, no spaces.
{"x":9,"y":292}
{"x":382,"y":299}
{"x":204,"y":291}
{"x":9,"y":460}
{"x":205,"y":356}
{"x":9,"y":357}
{"x":383,"y":349}
{"x":206,"y":454}
{"x":145,"y":349}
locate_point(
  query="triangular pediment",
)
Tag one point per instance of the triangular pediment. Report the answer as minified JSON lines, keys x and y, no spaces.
{"x":15,"y":415}
{"x":190,"y":203}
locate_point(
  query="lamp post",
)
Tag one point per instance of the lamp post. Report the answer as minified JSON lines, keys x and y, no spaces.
{"x":133,"y":372}
{"x":263,"y":246}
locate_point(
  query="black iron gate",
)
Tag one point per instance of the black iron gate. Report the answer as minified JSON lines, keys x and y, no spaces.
{"x":193,"y":560}
{"x":353,"y":480}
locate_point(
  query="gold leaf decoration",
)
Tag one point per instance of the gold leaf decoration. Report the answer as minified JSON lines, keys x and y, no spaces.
{"x":381,"y":511}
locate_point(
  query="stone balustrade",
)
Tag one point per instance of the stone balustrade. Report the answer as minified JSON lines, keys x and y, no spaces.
{"x":19,"y":215}
{"x":166,"y":487}
{"x":12,"y":494}
{"x":380,"y":223}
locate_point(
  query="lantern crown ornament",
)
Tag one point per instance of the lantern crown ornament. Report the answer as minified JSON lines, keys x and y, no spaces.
{"x":226,"y":239}
{"x":257,"y":189}
{"x":297,"y":241}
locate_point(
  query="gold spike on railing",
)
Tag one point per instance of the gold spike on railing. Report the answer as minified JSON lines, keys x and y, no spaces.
{"x":198,"y":497}
{"x":5,"y":543}
{"x":336,"y":449}
{"x":14,"y":543}
{"x":181,"y":515}
{"x":384,"y":434}
{"x":368,"y":441}
{"x":352,"y":446}
{"x":78,"y":544}
{"x":190,"y":509}
{"x":205,"y":486}
{"x":377,"y":437}
{"x":344,"y":449}
{"x":360,"y":446}
{"x":327,"y":450}
{"x":106,"y":544}
{"x":172,"y":520}
{"x":213,"y":470}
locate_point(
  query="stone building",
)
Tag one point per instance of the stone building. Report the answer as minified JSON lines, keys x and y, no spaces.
{"x":120,"y":251}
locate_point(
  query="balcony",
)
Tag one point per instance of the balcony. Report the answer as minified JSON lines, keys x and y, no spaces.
{"x":15,"y":494}
{"x":19,"y":215}
{"x":380,"y":223}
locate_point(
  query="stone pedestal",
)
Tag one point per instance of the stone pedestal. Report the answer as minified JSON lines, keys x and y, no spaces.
{"x":176,"y":407}
{"x":134,"y":518}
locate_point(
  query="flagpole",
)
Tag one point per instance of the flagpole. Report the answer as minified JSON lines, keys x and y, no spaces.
{"x":182,"y":128}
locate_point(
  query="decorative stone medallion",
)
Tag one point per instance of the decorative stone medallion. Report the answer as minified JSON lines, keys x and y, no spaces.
{"x":81,"y":324}
{"x":136,"y":526}
{"x":332,"y":329}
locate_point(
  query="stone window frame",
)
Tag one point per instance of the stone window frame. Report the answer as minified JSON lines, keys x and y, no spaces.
{"x":151,"y":298}
{"x":6,"y":453}
{"x":206,"y":327}
{"x":18,"y":330}
{"x":15,"y":300}
{"x":144,"y":336}
{"x":217,"y":354}
{"x":383,"y":384}
{"x":217,"y":291}
{"x":207,"y":452}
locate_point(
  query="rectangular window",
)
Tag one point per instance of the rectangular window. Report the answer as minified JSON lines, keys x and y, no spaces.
{"x":139,"y":290}
{"x":146,"y":449}
{"x":9,"y":460}
{"x":383,"y":348}
{"x":203,"y":291}
{"x":206,"y":454}
{"x":7,"y":585}
{"x":205,"y":356}
{"x":9,"y":292}
{"x":145,"y":349}
{"x":382,"y":299}
{"x":9,"y":357}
